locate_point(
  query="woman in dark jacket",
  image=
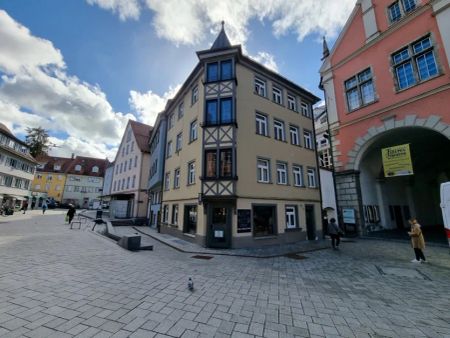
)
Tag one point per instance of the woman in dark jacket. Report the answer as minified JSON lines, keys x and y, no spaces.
{"x":71,"y":213}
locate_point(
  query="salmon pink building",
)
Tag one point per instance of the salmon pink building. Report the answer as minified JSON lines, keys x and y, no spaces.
{"x":387,"y":84}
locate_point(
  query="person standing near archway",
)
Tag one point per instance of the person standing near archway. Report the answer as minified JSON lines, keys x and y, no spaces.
{"x":417,"y":241}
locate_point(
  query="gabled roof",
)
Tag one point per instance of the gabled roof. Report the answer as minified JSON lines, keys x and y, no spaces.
{"x":86,"y":164}
{"x":50,"y":162}
{"x":142,"y":133}
{"x":4,"y":130}
{"x":222,"y":40}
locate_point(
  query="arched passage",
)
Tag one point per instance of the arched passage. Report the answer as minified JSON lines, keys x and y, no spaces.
{"x":386,"y":203}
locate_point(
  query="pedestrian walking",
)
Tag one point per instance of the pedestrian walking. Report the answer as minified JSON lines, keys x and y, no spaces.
{"x":44,"y":207}
{"x":33,"y":204}
{"x":417,"y":241}
{"x":70,"y":213}
{"x":335,"y":233}
{"x":25,"y":206}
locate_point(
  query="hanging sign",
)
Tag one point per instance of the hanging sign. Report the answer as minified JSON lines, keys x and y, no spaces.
{"x":397,"y":161}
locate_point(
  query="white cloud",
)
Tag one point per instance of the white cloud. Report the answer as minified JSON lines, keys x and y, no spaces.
{"x":190,"y":21}
{"x":267,"y":60}
{"x":149,"y":104}
{"x":127,"y":9}
{"x":73,"y":145}
{"x":35,"y":90}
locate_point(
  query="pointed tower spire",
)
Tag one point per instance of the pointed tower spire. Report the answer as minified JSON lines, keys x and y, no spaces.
{"x":222,"y":41}
{"x":325,"y":50}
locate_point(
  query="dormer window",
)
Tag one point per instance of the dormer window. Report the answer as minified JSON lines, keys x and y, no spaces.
{"x":95,"y":169}
{"x":56,"y":167}
{"x":78,"y":167}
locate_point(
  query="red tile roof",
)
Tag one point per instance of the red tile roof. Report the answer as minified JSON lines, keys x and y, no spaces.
{"x":68,"y":165}
{"x":142,"y":133}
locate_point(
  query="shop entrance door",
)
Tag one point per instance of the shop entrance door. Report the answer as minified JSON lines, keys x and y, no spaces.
{"x":219,"y":226}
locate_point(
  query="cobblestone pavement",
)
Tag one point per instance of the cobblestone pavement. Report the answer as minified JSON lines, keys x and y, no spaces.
{"x":56,"y":282}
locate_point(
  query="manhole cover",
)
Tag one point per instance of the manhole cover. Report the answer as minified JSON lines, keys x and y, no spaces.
{"x":201,"y":257}
{"x":295,"y":256}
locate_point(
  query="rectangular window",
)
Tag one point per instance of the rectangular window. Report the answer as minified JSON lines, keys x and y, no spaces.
{"x":130,"y":163}
{"x":133,"y":183}
{"x":212,"y":114}
{"x":277,"y":95}
{"x":264,"y":220}
{"x":125,"y":166}
{"x":171,"y":121}
{"x":169,"y":149}
{"x":167,"y":181}
{"x":400,"y":8}
{"x":128,"y":182}
{"x":193,"y":131}
{"x":292,"y":105}
{"x":175,"y":214}
{"x":114,"y":186}
{"x":176,"y":178}
{"x":278,"y":127}
{"x":305,"y":109}
{"x":297,"y":172}
{"x":307,"y":138}
{"x":260,"y":87}
{"x":291,"y":217}
{"x":121,"y":167}
{"x":281,"y":173}
{"x":194,"y":97}
{"x":165,"y":214}
{"x":325,"y":158}
{"x":135,"y":161}
{"x":212,"y":72}
{"x":226,"y":110}
{"x":263,"y":168}
{"x":311,"y":172}
{"x":211,"y":163}
{"x":226,"y":70}
{"x":360,"y":90}
{"x":261,"y":125}
{"x":132,"y":147}
{"x":180,"y":110}
{"x":294,"y":131}
{"x":191,"y":173}
{"x":179,"y":142}
{"x":415,"y":63}
{"x":226,"y":163}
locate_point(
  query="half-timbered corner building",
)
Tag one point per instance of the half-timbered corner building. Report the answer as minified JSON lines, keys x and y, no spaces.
{"x":240,"y":163}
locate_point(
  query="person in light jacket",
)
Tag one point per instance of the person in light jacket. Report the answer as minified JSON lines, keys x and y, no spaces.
{"x":335,"y":233}
{"x":417,"y":241}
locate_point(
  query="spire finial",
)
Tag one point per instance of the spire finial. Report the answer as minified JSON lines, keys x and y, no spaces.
{"x":223,"y":24}
{"x":325,"y":51}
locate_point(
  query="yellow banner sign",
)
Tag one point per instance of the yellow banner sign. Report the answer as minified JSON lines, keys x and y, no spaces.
{"x":397,"y":161}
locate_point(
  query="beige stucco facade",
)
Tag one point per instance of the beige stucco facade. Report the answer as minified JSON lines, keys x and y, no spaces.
{"x":231,"y":204}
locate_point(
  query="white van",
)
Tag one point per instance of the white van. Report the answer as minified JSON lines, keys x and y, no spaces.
{"x":445,"y":206}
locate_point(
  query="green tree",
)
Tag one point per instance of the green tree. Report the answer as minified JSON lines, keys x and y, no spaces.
{"x":37,"y":140}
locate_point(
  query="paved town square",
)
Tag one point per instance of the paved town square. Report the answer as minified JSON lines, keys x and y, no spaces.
{"x":57,"y":282}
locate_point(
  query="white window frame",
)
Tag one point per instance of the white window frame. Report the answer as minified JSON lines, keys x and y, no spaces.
{"x":180,"y":110}
{"x":194,"y":95}
{"x":176,"y":178}
{"x":291,"y":217}
{"x":282,"y":177}
{"x":193,"y":131}
{"x":292,"y":102}
{"x":175,"y":214}
{"x":263,"y":170}
{"x":191,"y":173}
{"x":260,"y":87}
{"x":311,"y":174}
{"x":297,"y":173}
{"x":305,"y":109}
{"x":167,"y":181}
{"x":278,"y":128}
{"x":179,"y":142}
{"x":262,"y":124}
{"x":277,"y":95}
{"x":169,"y":149}
{"x":308,"y":139}
{"x":294,"y":132}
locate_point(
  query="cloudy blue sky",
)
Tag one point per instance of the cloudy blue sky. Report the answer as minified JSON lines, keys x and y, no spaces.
{"x":82,"y":68}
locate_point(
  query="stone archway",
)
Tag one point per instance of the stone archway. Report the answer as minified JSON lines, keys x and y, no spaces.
{"x":433,"y":122}
{"x":389,"y":202}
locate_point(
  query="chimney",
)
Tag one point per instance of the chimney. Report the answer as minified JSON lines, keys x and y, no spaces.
{"x":73,"y":156}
